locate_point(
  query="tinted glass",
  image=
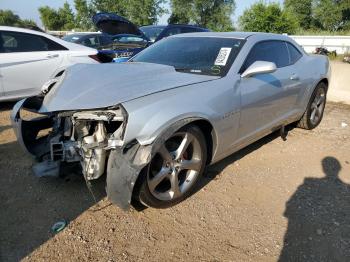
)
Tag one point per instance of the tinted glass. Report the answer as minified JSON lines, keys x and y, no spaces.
{"x":53,"y":46}
{"x":172,"y":31}
{"x":72,"y":38}
{"x":152,"y":32}
{"x":197,"y":55}
{"x":130,"y":39}
{"x":91,"y":41}
{"x":104,"y":40}
{"x":294,"y":54}
{"x":270,"y":51}
{"x":189,"y":29}
{"x":23,"y":42}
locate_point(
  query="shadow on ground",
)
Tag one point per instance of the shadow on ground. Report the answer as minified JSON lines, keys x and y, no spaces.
{"x":214,"y":170}
{"x":318,"y":216}
{"x":30,"y":205}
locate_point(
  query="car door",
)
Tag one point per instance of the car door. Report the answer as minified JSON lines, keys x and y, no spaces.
{"x":27,"y":61}
{"x":266,"y":99}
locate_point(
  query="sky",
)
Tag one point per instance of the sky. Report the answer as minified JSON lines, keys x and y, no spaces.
{"x":28,"y":9}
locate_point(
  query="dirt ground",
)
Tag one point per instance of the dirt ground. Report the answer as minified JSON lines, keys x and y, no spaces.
{"x":274,"y":200}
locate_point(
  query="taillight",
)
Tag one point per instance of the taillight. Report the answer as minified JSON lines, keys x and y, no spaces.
{"x":96,"y":58}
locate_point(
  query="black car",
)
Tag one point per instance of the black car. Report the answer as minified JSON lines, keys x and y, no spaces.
{"x":157,"y":32}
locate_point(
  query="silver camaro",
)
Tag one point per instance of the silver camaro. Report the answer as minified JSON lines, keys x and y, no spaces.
{"x":153,"y":124}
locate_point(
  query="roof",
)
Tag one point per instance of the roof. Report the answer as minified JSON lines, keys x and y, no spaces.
{"x":160,"y":26}
{"x":22,"y":30}
{"x":84,"y":34}
{"x":163,"y":26}
{"x":237,"y":35}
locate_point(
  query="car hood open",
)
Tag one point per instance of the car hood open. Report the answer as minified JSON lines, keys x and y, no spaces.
{"x":113,"y":24}
{"x":89,"y":86}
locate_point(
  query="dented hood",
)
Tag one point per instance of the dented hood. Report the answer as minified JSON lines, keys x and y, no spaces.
{"x":90,"y":86}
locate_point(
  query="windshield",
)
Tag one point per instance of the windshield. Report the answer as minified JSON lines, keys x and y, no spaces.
{"x":196,"y":55}
{"x":152,"y":32}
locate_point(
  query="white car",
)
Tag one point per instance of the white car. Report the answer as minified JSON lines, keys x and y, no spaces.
{"x":30,"y":58}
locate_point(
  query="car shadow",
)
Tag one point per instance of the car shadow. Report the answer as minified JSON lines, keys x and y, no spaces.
{"x":318,"y":216}
{"x":214,"y":170}
{"x":30,"y":205}
{"x":7,"y":105}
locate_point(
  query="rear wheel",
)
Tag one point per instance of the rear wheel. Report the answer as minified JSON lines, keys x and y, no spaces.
{"x":172,"y":174}
{"x":314,"y":112}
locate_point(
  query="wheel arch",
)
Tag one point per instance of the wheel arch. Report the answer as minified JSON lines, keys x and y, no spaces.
{"x":201,"y":122}
{"x":210,"y":137}
{"x":325,"y":81}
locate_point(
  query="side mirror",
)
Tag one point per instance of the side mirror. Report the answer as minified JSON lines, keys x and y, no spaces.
{"x":259,"y":67}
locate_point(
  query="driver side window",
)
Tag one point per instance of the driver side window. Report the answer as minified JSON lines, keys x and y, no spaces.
{"x":270,"y":51}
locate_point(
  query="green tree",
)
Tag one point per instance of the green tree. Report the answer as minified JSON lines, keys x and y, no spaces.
{"x":261,"y":17}
{"x":332,"y":15}
{"x":181,"y":12}
{"x":214,"y":14}
{"x":61,"y":19}
{"x":50,"y":18}
{"x":114,"y":6}
{"x":84,"y":13}
{"x":143,"y":12}
{"x":66,"y":16}
{"x":302,"y":10}
{"x":8,"y":18}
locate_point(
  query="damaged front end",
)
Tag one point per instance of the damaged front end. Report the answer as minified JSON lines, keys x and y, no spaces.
{"x":71,"y":138}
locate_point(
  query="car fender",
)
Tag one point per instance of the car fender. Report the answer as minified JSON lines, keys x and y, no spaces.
{"x":146,"y":122}
{"x":126,"y":164}
{"x":318,"y":70}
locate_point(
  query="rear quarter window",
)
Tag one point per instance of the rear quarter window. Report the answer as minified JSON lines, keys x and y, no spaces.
{"x":294,"y":53}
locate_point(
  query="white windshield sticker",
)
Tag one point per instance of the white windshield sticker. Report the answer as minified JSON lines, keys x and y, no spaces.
{"x":223,"y":56}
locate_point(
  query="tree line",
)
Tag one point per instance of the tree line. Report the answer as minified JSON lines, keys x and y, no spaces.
{"x":217,"y":15}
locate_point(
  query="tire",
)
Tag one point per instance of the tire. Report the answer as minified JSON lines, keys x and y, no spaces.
{"x":179,"y":161}
{"x":315,"y":109}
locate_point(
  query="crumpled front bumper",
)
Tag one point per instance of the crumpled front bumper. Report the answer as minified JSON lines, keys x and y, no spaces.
{"x":125,"y":163}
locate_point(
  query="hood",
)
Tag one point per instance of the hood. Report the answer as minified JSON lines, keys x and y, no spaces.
{"x":113,"y":24}
{"x":91,"y":86}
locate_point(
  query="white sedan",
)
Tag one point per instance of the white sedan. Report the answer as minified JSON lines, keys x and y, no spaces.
{"x":29,"y":58}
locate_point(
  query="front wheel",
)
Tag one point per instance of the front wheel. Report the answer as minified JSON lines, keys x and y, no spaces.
{"x":172,"y":174}
{"x":314,"y":112}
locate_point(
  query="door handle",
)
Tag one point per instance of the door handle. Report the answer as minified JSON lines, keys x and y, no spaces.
{"x":294,"y":77}
{"x":50,"y":56}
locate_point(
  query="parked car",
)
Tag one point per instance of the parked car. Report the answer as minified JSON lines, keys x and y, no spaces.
{"x":158,"y":32}
{"x":154,"y":123}
{"x":121,"y":39}
{"x":125,"y":46}
{"x":126,"y":40}
{"x":29,"y":58}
